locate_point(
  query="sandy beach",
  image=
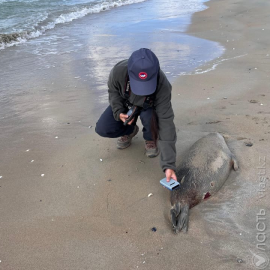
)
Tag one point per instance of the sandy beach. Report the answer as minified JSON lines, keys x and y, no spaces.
{"x":70,"y":200}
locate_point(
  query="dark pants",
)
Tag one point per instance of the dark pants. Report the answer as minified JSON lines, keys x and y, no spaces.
{"x":108,"y":127}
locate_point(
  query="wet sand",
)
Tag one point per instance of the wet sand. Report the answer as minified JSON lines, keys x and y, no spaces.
{"x":84,"y":213}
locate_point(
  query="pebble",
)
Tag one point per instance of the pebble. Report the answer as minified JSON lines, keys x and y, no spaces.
{"x":100,"y":159}
{"x":225,"y":98}
{"x":32,"y":160}
{"x":150,"y":194}
{"x":90,"y":126}
{"x":208,"y":98}
{"x":42,"y":174}
{"x":78,"y":186}
{"x":27,"y":150}
{"x":56,"y":137}
{"x":261,"y":104}
{"x":249,"y":144}
{"x":240,"y":261}
{"x":154,"y":229}
{"x":1,"y":176}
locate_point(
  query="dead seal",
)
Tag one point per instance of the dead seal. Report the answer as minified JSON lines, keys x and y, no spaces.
{"x":202,"y":173}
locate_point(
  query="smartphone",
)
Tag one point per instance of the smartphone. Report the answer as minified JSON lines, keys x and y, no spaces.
{"x":171,"y":185}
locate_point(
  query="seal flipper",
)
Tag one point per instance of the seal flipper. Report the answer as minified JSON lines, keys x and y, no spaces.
{"x":175,"y":211}
{"x":235,"y":163}
{"x":180,"y":217}
{"x":183,"y":218}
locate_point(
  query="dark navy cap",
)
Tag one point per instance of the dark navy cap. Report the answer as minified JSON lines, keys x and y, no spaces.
{"x":143,"y":69}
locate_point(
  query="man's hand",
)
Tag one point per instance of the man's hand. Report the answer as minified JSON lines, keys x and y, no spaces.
{"x":123,"y":117}
{"x":170,"y":174}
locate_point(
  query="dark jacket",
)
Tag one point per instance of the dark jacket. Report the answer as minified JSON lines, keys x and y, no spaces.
{"x":162,"y":105}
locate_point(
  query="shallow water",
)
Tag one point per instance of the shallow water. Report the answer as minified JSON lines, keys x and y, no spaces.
{"x":61,"y":75}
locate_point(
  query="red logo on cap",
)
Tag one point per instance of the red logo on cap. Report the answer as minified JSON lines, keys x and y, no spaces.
{"x":143,"y":75}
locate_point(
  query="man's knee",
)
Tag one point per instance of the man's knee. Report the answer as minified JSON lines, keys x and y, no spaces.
{"x":146,"y":116}
{"x":101,"y":129}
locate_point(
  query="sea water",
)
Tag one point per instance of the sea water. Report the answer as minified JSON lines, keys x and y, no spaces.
{"x":21,"y":20}
{"x":56,"y":55}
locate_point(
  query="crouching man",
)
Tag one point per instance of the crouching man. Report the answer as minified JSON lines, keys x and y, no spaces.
{"x":138,"y":87}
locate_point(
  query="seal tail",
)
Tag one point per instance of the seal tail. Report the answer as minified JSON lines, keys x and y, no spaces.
{"x":180,"y":217}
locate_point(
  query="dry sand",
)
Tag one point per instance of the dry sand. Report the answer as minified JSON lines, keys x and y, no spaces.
{"x":92,"y":214}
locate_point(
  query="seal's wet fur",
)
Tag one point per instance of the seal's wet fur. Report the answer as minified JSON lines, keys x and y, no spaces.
{"x":201,"y":174}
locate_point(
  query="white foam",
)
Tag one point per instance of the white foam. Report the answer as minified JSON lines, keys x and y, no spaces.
{"x":201,"y":71}
{"x":69,"y":17}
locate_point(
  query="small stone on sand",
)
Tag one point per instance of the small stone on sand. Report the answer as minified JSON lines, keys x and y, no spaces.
{"x":1,"y":176}
{"x":249,"y":144}
{"x":32,"y":160}
{"x":27,"y":150}
{"x":208,"y":98}
{"x":42,"y":174}
{"x":100,"y":159}
{"x":56,"y":137}
{"x":150,"y":194}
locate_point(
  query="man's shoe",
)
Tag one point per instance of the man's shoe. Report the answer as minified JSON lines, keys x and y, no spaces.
{"x":125,"y":141}
{"x":151,"y":149}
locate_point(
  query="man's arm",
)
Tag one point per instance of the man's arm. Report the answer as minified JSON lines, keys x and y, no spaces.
{"x":116,"y":101}
{"x":167,"y":132}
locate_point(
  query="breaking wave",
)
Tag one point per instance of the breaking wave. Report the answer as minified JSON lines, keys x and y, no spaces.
{"x":8,"y":40}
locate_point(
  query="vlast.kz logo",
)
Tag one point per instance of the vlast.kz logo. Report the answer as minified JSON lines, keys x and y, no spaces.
{"x":260,"y":260}
{"x":143,"y":75}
